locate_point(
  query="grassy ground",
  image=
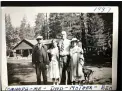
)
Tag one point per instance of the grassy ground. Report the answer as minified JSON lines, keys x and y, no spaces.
{"x":21,"y":72}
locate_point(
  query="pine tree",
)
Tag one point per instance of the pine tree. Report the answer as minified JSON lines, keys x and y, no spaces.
{"x":39,"y":23}
{"x":90,"y":28}
{"x":70,"y":22}
{"x":29,"y":32}
{"x":16,"y":37}
{"x":9,"y":32}
{"x":54,"y":25}
{"x":22,"y":33}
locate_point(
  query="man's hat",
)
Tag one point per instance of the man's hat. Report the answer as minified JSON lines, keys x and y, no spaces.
{"x":39,"y":37}
{"x":74,"y":39}
{"x":63,"y":32}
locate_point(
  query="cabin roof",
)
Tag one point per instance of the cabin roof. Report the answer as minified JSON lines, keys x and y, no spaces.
{"x":30,"y":43}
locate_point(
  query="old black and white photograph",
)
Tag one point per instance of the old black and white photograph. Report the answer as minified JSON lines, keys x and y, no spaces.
{"x":58,"y":48}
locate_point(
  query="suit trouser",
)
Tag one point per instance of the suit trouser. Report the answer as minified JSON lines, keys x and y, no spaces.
{"x":64,"y":64}
{"x":41,"y":68}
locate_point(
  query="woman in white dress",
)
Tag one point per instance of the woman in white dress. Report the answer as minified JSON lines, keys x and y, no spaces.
{"x":77,"y":63}
{"x":53,"y":70}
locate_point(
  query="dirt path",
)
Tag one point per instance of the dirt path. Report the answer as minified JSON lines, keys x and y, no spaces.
{"x":21,"y":72}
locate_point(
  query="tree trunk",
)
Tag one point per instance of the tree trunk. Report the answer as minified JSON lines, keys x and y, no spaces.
{"x":85,"y":26}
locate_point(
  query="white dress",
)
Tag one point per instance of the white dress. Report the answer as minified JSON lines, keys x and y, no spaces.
{"x":53,"y":70}
{"x":77,"y":62}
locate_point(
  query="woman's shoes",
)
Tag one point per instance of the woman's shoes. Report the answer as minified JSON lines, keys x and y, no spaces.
{"x":53,"y":83}
{"x":73,"y":83}
{"x":57,"y":83}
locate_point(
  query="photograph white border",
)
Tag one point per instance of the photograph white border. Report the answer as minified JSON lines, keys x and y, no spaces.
{"x":59,"y":9}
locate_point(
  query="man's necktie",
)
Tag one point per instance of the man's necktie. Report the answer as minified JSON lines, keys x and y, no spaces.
{"x":39,"y":45}
{"x":62,"y":46}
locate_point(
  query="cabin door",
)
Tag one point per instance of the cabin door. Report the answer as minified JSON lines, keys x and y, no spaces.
{"x":25,"y":53}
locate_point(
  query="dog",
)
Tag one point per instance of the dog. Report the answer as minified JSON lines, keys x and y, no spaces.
{"x":87,"y":73}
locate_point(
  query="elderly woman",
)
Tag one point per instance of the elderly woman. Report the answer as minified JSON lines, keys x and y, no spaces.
{"x":77,"y":62}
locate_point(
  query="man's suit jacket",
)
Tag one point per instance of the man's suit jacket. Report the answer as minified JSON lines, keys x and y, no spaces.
{"x":40,"y":55}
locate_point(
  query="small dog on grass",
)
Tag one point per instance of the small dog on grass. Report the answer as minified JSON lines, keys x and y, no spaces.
{"x":87,"y":74}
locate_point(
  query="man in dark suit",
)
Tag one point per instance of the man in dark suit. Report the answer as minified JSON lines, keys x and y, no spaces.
{"x":40,"y":60}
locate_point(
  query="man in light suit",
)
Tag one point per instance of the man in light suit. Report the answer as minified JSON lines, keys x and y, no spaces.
{"x":64,"y":47}
{"x":40,"y":60}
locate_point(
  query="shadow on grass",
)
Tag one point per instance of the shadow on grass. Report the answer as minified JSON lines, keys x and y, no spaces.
{"x":34,"y":83}
{"x":15,"y":69}
{"x":26,"y":68}
{"x":103,"y":81}
{"x":99,"y":62}
{"x":18,"y":69}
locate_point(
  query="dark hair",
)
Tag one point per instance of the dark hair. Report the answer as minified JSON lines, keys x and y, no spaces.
{"x":75,"y":41}
{"x":52,"y":45}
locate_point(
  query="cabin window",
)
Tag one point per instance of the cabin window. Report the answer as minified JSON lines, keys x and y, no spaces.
{"x":18,"y":51}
